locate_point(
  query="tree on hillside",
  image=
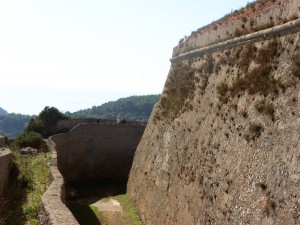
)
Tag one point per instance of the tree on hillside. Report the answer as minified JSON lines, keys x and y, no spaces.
{"x":132,"y":108}
{"x":45,"y":121}
{"x":11,"y":125}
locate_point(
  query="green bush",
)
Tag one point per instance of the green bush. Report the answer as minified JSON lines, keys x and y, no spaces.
{"x":45,"y":122}
{"x":31,"y":139}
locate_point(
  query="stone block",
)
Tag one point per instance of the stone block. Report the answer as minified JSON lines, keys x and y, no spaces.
{"x":5,"y":165}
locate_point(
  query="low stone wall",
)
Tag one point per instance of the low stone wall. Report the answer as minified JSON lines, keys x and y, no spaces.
{"x":5,"y":165}
{"x":95,"y":151}
{"x":53,"y":211}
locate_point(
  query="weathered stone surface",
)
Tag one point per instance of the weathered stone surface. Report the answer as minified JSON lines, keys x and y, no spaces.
{"x":5,"y":165}
{"x":221,"y":157}
{"x":95,"y":151}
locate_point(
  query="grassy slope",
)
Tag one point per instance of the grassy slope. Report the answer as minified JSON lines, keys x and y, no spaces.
{"x":28,"y":182}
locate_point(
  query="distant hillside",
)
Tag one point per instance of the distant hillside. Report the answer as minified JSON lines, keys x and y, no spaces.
{"x":132,"y":108}
{"x":3,"y":112}
{"x":11,"y":125}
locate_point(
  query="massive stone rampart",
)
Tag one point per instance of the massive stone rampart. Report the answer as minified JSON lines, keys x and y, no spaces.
{"x":222,"y":144}
{"x":5,"y":166}
{"x":94,"y":151}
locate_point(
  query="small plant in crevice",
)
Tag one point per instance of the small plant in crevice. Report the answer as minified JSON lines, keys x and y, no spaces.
{"x":260,"y":80}
{"x":246,"y":55}
{"x":222,"y":90}
{"x":208,"y":67}
{"x":270,"y":207}
{"x":254,"y":131}
{"x":265,"y":108}
{"x":262,"y":186}
{"x":296,"y":64}
{"x":266,"y":54}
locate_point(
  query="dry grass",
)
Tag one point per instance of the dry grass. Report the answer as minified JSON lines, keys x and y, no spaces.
{"x":296,"y":65}
{"x":265,"y":108}
{"x":254,"y":131}
{"x":259,"y":80}
{"x":179,"y":86}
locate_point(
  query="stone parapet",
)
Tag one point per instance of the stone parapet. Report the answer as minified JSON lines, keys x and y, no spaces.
{"x":288,"y":28}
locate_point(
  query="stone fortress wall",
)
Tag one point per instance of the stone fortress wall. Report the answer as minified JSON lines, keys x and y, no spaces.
{"x":178,"y":167}
{"x":220,"y":159}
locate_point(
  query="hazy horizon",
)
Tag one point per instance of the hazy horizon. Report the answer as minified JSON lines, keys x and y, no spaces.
{"x":77,"y":54}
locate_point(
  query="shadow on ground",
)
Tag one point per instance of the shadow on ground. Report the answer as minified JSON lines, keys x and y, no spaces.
{"x":81,"y":195}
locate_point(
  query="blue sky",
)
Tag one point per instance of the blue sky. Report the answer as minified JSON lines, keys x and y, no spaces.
{"x":74,"y":54}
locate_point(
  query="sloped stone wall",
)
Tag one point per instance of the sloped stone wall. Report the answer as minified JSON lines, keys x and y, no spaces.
{"x":222,"y":145}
